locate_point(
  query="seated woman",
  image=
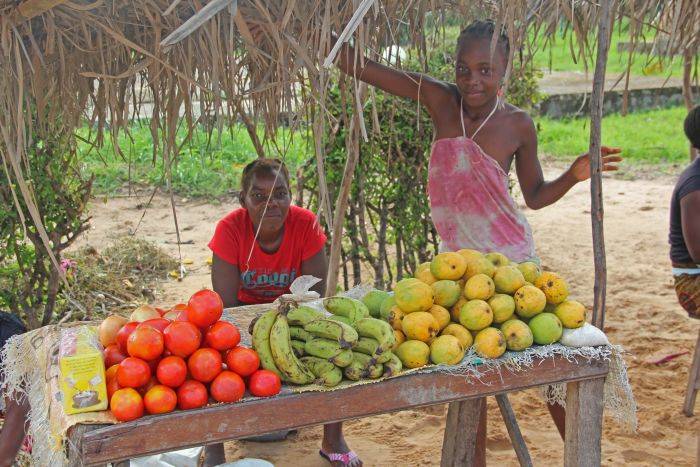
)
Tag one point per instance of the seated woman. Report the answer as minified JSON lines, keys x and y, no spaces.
{"x":14,"y":413}
{"x":259,"y":249}
{"x":684,"y":236}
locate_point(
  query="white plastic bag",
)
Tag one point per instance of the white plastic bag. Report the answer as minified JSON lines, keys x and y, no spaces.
{"x":585,"y":336}
{"x":182,"y":458}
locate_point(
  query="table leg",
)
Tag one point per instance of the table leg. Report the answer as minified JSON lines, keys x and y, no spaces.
{"x":461,"y":427}
{"x":584,"y":423}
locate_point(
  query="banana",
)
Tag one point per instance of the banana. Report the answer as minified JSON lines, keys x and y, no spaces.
{"x":302,"y":315}
{"x":330,"y":378}
{"x":318,"y":366}
{"x":370,"y":369}
{"x":298,"y":333}
{"x":354,"y":371}
{"x":322,"y":348}
{"x":342,"y":319}
{"x":369,"y":346}
{"x":345,"y":334}
{"x":345,"y":306}
{"x":261,"y":340}
{"x":298,"y":348}
{"x":281,"y":346}
{"x":379,"y":330}
{"x":327,"y":374}
{"x":343,"y":359}
{"x":393,"y":366}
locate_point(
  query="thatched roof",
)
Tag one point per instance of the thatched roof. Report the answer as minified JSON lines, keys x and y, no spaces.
{"x":102,"y":59}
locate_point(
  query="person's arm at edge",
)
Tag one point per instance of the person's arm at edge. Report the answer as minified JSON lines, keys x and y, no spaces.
{"x":539,"y":193}
{"x":690,"y":223}
{"x":317,"y":266}
{"x":13,"y":430}
{"x":225,"y":280}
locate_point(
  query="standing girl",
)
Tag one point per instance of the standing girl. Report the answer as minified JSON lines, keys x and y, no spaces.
{"x":477,"y":138}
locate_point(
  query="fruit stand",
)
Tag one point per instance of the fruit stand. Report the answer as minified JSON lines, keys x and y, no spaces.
{"x":584,"y":381}
{"x":456,"y":334}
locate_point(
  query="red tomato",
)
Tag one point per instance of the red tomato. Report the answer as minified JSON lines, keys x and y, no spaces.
{"x":172,"y":371}
{"x":179,"y":307}
{"x":133,"y":372}
{"x":191,"y":395}
{"x":205,"y":308}
{"x":113,"y":355}
{"x":126,"y":404}
{"x":160,"y":399}
{"x":264,"y":383}
{"x":111,"y":372}
{"x":145,"y":343}
{"x":243,"y":361}
{"x":182,"y":315}
{"x":204,"y":364}
{"x":227,"y":387}
{"x":161,"y":311}
{"x":112,"y":387}
{"x":222,"y":335}
{"x":124,"y":333}
{"x":157,"y":323}
{"x":182,"y":338}
{"x":152,"y":381}
{"x":153,"y":365}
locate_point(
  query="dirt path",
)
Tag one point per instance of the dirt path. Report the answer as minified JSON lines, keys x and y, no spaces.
{"x":642,"y":315}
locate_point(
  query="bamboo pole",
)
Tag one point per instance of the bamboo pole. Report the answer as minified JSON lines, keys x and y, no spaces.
{"x":341,"y":203}
{"x":604,"y":28}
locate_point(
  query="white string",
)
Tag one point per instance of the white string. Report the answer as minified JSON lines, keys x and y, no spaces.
{"x":461,"y":115}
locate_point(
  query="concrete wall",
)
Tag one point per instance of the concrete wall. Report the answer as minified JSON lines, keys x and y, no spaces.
{"x":578,"y":104}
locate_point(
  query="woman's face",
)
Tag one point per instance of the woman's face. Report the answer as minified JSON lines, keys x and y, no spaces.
{"x":262,"y":188}
{"x":478,"y":76}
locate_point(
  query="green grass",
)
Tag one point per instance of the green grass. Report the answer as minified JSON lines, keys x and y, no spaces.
{"x":556,"y":56}
{"x":205,"y":168}
{"x":649,"y":137}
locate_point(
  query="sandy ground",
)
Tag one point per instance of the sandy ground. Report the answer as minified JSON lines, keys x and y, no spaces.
{"x":642,"y":315}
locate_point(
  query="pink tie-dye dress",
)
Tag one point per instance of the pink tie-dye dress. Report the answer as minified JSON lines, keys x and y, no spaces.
{"x":470,"y":203}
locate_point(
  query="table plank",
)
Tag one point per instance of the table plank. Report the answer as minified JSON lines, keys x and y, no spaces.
{"x":180,"y":429}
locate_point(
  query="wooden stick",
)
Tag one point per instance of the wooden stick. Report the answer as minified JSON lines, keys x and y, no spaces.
{"x":195,"y":21}
{"x":584,"y":423}
{"x":516,"y":437}
{"x":341,"y":203}
{"x":461,"y":427}
{"x":597,"y":164}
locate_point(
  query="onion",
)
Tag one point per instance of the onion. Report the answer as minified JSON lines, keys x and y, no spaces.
{"x":109,"y":327}
{"x":171,"y":315}
{"x":143,"y":313}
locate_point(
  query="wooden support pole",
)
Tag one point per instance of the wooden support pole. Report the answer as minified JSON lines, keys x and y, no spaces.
{"x":693,"y":382}
{"x":459,"y":443}
{"x":516,"y":437}
{"x":597,"y":95}
{"x":341,"y":203}
{"x":584,"y":423}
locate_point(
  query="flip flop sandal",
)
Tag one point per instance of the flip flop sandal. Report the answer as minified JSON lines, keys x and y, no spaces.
{"x":345,"y":457}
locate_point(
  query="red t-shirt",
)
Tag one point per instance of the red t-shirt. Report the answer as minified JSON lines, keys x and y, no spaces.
{"x":267,"y":276}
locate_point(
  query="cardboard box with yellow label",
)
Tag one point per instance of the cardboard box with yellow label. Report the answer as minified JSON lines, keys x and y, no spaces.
{"x":82,"y":370}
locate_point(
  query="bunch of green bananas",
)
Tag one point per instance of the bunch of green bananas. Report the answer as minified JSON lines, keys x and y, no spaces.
{"x":303,"y":346}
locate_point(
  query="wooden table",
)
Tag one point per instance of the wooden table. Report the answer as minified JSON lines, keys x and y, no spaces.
{"x":153,"y":434}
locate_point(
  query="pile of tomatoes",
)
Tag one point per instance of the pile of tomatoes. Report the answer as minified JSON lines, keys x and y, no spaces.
{"x":159,"y":364}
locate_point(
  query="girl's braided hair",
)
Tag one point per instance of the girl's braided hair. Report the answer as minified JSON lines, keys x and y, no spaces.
{"x":692,"y":127}
{"x":484,"y":30}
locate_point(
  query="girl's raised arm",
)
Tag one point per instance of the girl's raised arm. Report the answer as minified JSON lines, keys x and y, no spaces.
{"x":417,"y":86}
